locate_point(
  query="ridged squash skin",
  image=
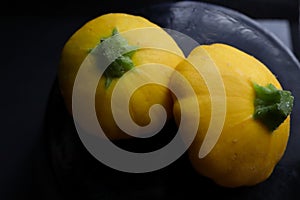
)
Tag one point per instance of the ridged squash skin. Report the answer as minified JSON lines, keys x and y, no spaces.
{"x":86,"y":38}
{"x":246,"y":151}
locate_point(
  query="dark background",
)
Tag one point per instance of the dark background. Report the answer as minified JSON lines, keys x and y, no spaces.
{"x":32,"y":37}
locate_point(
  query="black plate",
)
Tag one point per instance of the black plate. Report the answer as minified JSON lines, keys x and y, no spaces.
{"x":79,"y":175}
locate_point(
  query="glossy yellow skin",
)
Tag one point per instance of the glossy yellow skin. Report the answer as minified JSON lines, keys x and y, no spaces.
{"x":88,"y":37}
{"x":246,"y":152}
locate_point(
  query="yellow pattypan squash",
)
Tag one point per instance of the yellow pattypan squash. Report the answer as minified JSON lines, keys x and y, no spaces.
{"x":248,"y":148}
{"x":90,"y":36}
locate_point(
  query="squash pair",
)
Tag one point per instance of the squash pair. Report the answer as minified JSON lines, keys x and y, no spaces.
{"x":256,"y":123}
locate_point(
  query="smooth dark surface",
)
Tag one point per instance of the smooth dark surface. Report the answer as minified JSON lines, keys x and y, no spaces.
{"x":78,"y":174}
{"x":283,"y":9}
{"x":30,"y":49}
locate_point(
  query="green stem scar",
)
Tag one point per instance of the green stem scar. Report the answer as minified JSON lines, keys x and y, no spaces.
{"x":122,"y":63}
{"x":272,"y":106}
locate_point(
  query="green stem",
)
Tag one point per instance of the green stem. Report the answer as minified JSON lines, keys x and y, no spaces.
{"x":123,"y":63}
{"x":272,"y":106}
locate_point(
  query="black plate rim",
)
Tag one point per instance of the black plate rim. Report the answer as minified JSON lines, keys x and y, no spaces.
{"x":245,"y":19}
